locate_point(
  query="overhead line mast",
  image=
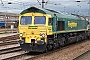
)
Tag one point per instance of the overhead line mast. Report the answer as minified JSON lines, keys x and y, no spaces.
{"x":43,"y":3}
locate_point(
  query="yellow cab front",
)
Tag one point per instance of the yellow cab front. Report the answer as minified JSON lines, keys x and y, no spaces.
{"x":33,"y":31}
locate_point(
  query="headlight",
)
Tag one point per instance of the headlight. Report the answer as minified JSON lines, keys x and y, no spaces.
{"x":43,"y":35}
{"x":21,"y":34}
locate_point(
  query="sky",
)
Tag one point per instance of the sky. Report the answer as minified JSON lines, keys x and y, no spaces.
{"x":69,"y":6}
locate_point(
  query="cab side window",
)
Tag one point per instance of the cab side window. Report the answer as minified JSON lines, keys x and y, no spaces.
{"x":50,"y":21}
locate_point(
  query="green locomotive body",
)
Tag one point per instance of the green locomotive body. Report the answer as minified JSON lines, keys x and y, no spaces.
{"x":68,"y":23}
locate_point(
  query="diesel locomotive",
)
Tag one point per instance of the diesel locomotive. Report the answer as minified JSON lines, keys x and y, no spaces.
{"x":44,"y":29}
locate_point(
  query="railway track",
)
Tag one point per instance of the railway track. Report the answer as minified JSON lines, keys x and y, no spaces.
{"x":46,"y":56}
{"x":48,"y":53}
{"x":8,"y":50}
{"x":23,"y":56}
{"x":41,"y":56}
{"x":83,"y":56}
{"x":16,"y":53}
{"x":10,"y":42}
{"x":11,"y":55}
{"x":8,"y":38}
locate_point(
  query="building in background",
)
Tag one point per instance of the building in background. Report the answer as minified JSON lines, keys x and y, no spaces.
{"x":9,"y":18}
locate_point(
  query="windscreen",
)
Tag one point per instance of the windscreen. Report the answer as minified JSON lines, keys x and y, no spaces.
{"x":25,"y":20}
{"x":39,"y":20}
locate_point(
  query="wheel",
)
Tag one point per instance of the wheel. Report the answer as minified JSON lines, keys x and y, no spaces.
{"x":62,"y":41}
